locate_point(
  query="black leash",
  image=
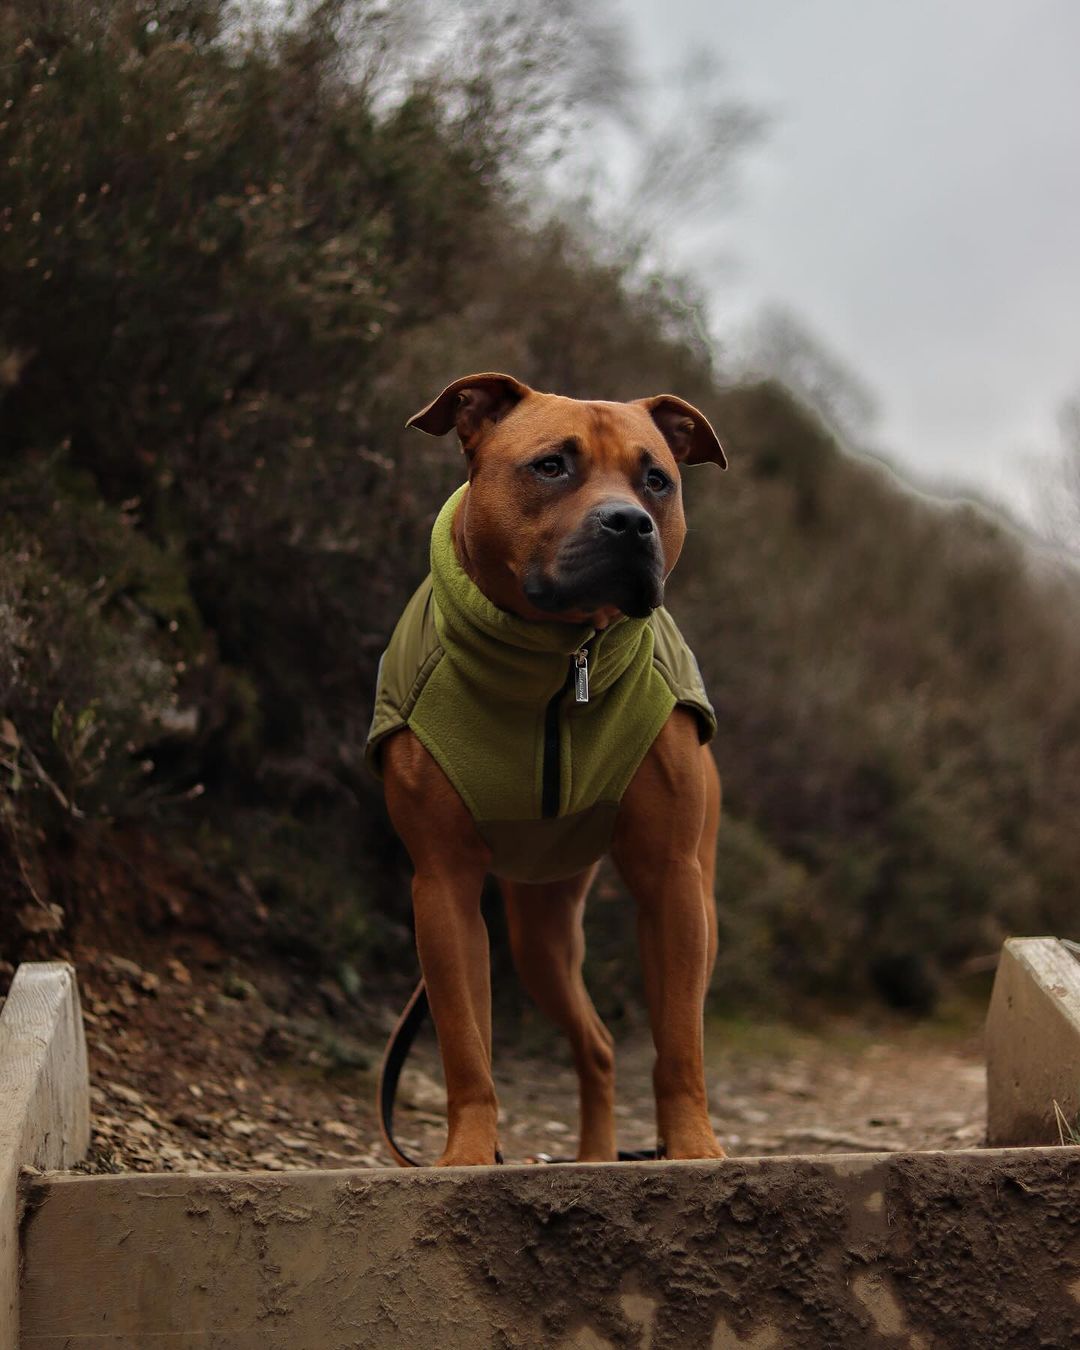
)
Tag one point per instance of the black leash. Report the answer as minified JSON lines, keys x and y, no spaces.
{"x":394,"y":1057}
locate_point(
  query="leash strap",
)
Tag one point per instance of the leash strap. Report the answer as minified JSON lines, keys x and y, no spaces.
{"x":394,"y":1057}
{"x":397,"y":1052}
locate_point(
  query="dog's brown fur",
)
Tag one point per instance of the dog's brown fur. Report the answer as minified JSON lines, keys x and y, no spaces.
{"x":507,"y":529}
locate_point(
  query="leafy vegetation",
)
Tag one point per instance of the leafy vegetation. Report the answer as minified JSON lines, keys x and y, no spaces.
{"x":236,"y":253}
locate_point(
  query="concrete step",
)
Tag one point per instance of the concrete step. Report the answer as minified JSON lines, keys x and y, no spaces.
{"x":1033,"y":1044}
{"x":44,"y":1102}
{"x":971,"y":1250}
{"x":964,"y":1249}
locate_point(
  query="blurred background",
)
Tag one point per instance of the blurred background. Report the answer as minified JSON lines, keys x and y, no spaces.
{"x":241,"y":243}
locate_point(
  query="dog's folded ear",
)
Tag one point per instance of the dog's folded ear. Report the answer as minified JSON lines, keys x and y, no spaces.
{"x":470,"y":404}
{"x":689,"y":436}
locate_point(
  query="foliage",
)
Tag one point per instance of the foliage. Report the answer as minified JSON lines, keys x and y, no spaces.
{"x":238,"y":249}
{"x":897,"y":711}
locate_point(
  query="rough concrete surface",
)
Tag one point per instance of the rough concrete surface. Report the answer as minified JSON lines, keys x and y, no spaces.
{"x":925,"y":1250}
{"x":1033,"y":1043}
{"x":44,"y":1101}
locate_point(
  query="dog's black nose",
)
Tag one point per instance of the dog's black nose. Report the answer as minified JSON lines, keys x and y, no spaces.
{"x":625,"y":519}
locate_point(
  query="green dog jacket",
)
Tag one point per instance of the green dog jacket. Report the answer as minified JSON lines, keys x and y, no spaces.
{"x":539,"y":726}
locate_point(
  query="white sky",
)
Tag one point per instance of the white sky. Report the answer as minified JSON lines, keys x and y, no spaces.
{"x":916,"y":203}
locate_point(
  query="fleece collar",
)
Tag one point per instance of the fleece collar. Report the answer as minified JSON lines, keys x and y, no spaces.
{"x":517,"y":659}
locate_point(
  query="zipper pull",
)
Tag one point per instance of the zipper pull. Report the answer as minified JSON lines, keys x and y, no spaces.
{"x":581,"y":675}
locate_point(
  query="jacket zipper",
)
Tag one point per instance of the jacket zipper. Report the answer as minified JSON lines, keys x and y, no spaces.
{"x":577,"y":677}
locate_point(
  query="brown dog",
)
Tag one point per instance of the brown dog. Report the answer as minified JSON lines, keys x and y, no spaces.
{"x":572,"y":515}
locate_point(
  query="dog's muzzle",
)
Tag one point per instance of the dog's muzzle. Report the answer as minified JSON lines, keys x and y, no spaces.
{"x":613,"y":558}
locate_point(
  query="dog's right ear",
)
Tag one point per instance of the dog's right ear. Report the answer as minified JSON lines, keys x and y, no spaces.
{"x":471,"y":404}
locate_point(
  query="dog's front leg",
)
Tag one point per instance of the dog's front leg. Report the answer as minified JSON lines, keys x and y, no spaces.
{"x":656,"y":846}
{"x":451,"y":939}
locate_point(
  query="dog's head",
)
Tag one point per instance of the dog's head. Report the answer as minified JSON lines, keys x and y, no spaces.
{"x":574,"y":509}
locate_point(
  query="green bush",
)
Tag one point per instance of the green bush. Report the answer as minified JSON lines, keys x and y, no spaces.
{"x":90,"y":642}
{"x":236,"y":254}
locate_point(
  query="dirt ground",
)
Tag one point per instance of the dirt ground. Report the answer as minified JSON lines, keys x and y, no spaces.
{"x":196,"y":1068}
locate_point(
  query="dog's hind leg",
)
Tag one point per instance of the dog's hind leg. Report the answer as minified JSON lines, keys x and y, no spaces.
{"x":547,"y":939}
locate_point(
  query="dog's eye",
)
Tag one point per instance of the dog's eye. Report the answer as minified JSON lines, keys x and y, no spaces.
{"x":551,"y":466}
{"x":656,"y":481}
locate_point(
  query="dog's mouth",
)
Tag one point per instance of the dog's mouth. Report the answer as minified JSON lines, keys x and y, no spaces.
{"x":585,"y":580}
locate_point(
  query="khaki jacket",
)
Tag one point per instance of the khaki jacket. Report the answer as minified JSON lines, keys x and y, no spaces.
{"x":494,"y":698}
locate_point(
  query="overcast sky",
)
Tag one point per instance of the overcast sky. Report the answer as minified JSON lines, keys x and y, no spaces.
{"x":917,"y":203}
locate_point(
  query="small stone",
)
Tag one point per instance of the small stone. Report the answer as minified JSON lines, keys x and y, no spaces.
{"x":41,"y":918}
{"x":178,"y":971}
{"x":125,"y":1093}
{"x":419,"y":1089}
{"x":235,"y":986}
{"x":339,"y":1129}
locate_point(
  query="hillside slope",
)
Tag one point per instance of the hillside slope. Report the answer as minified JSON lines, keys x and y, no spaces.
{"x":234,"y":262}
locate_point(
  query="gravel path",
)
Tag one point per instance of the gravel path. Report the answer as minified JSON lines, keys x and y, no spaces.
{"x":197,"y":1069}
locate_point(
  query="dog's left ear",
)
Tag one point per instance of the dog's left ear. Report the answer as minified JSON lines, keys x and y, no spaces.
{"x":470,"y":404}
{"x":689,"y":436}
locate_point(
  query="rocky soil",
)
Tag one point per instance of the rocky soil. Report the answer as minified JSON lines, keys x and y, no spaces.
{"x":201,"y":1066}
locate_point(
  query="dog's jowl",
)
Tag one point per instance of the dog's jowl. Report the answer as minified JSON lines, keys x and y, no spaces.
{"x":537,"y":708}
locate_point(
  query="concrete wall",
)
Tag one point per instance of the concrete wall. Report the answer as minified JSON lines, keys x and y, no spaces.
{"x":962,"y":1249}
{"x":44,"y":1102}
{"x":977,"y":1249}
{"x":1033,"y":1043}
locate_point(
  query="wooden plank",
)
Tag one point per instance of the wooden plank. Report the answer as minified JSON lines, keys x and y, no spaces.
{"x":1033,"y":1043}
{"x":44,"y":1102}
{"x":977,"y":1248}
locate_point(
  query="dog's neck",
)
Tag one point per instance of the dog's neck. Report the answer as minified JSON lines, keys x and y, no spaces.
{"x":521,"y":659}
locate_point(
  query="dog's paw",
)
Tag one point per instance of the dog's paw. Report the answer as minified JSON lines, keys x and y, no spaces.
{"x":465,"y":1155}
{"x":711,"y":1151}
{"x":689,"y":1145}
